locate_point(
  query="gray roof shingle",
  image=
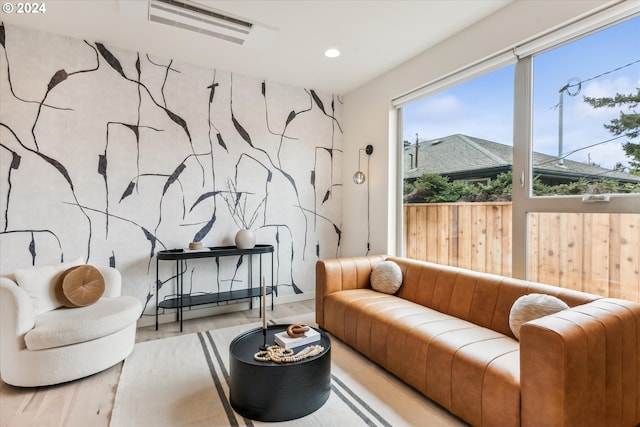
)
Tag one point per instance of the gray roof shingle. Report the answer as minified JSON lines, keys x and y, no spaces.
{"x":459,"y":153}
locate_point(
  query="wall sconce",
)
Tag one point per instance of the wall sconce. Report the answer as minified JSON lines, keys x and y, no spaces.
{"x":359,"y":177}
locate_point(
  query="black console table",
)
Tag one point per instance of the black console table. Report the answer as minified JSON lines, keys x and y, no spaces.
{"x":182,"y":255}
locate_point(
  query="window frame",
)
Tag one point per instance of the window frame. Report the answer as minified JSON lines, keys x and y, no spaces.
{"x":523,"y":201}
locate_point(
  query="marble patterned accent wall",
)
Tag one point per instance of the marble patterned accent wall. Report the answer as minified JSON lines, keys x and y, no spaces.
{"x":112,"y":155}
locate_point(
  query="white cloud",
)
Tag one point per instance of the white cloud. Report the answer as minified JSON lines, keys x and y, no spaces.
{"x":447,"y":114}
{"x":440,"y":106}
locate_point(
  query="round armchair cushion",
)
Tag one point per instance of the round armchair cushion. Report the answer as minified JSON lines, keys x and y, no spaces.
{"x":386,"y":277}
{"x":40,"y":282}
{"x":81,"y":286}
{"x":531,"y":307}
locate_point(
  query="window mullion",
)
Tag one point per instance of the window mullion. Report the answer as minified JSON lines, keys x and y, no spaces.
{"x":522,"y":141}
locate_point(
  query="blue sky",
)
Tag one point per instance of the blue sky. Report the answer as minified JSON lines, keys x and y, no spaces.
{"x":483,"y":107}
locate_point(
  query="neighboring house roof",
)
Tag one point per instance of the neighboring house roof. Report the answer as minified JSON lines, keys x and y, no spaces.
{"x":463,"y":155}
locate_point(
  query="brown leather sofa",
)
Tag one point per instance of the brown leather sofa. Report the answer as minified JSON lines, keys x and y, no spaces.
{"x":446,"y":333}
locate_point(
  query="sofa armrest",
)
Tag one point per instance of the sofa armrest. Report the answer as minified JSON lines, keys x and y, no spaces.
{"x":339,"y":274}
{"x":112,"y":281}
{"x":581,"y":367}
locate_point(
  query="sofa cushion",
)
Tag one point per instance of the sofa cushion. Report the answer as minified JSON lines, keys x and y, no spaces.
{"x":533,"y":306}
{"x":39,"y":283}
{"x":81,"y":285}
{"x":386,"y":277}
{"x":66,"y":326}
{"x":464,"y":367}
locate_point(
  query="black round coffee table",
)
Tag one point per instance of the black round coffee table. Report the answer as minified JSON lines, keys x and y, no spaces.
{"x":269,"y":391}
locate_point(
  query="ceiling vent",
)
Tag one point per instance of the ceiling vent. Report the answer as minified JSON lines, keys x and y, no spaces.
{"x":197,"y":18}
{"x":194,"y":17}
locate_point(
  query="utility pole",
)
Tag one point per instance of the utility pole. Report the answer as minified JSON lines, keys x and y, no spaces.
{"x":574,"y":81}
{"x":560,"y":124}
{"x":416,"y":159}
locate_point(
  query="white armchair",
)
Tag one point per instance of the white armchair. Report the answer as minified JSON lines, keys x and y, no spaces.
{"x":62,"y":344}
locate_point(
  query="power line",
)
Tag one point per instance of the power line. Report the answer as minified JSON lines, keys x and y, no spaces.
{"x":605,"y":73}
{"x":580,"y":82}
{"x":564,"y":156}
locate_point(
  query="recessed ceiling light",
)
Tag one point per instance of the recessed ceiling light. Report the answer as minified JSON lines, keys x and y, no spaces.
{"x":332,"y":53}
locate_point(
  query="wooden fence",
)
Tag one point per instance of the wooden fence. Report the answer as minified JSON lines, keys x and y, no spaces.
{"x":592,"y":252}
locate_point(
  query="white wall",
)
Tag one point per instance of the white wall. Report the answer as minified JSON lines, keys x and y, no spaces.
{"x":368,"y":112}
{"x":111,"y":155}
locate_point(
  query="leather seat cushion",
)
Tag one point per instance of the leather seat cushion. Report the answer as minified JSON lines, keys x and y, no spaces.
{"x":66,"y":326}
{"x":471,"y":370}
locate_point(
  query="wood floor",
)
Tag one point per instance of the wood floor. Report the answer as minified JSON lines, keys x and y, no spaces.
{"x":88,"y":402}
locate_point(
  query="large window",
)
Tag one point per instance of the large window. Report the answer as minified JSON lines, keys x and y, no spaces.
{"x":547,"y":188}
{"x":457,"y":143}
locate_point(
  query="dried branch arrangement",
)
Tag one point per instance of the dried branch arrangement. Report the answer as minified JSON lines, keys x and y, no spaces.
{"x":237,"y":203}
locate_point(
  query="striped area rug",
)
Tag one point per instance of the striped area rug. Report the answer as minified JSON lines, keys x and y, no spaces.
{"x":184,"y":381}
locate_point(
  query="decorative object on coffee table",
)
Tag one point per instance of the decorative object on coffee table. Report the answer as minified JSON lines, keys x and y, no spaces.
{"x":279,"y":354}
{"x":292,"y":339}
{"x":263,"y":347}
{"x":296,"y":331}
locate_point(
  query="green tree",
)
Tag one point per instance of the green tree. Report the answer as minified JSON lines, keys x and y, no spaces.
{"x":498,"y":190}
{"x":627,"y":124}
{"x":432,"y":188}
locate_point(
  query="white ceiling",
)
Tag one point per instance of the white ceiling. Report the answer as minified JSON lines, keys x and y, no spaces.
{"x":373,"y":35}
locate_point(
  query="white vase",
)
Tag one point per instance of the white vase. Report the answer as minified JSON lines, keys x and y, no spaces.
{"x":245,"y":239}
